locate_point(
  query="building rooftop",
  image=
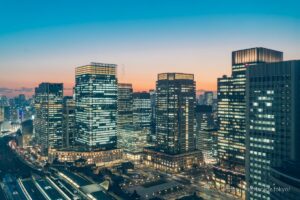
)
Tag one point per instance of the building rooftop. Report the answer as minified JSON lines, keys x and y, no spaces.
{"x":96,"y":68}
{"x":152,"y":190}
{"x":175,"y":76}
{"x":256,"y":55}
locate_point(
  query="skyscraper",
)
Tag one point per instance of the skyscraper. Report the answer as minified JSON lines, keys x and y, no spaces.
{"x":229,"y":173}
{"x":175,"y":148}
{"x":205,"y":131}
{"x":69,"y":127}
{"x":125,"y":116}
{"x":4,"y":105}
{"x":142,"y":110}
{"x":208,"y":98}
{"x":273,"y":136}
{"x":48,"y":119}
{"x":96,"y":93}
{"x":1,"y":113}
{"x":153,"y":117}
{"x":133,"y":140}
{"x":175,"y":113}
{"x":125,"y":103}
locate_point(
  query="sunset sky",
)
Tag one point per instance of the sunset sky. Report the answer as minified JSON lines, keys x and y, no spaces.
{"x":44,"y":42}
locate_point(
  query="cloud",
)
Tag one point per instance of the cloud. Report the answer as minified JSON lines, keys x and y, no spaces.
{"x":5,"y":90}
{"x":22,"y":90}
{"x":8,"y":91}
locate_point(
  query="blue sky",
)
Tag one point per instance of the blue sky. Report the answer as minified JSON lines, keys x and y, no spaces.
{"x":46,"y":40}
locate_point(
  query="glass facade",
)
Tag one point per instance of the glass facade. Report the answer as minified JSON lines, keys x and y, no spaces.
{"x":125,"y":116}
{"x":230,"y":170}
{"x":134,"y":138}
{"x":48,"y":101}
{"x":175,"y":113}
{"x":153,"y":117}
{"x":272,"y":98}
{"x":142,"y":110}
{"x":256,"y":55}
{"x":204,"y":132}
{"x":206,"y":98}
{"x":69,"y":128}
{"x":1,"y":113}
{"x":96,"y":92}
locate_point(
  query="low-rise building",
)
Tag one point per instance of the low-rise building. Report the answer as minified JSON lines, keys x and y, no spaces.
{"x":172,"y":163}
{"x":99,"y":158}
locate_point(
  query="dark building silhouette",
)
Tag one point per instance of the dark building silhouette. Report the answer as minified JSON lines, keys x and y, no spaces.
{"x":273,"y":133}
{"x":229,"y":173}
{"x":69,"y":126}
{"x":48,"y":102}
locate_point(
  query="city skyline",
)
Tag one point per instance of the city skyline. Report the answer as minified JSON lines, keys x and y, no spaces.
{"x":150,"y":100}
{"x":235,"y":143}
{"x":143,"y":39}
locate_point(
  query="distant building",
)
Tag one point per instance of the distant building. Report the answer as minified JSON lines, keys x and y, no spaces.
{"x":125,"y":113}
{"x":2,"y":113}
{"x":19,"y":108}
{"x":135,"y":139}
{"x":6,"y":110}
{"x":273,"y":135}
{"x":142,"y":111}
{"x":135,"y":135}
{"x":26,"y":133}
{"x":206,"y":98}
{"x":97,"y":157}
{"x":229,"y":173}
{"x":204,"y":117}
{"x":48,"y":120}
{"x":205,"y":130}
{"x":96,"y":92}
{"x":69,"y":125}
{"x":153,"y":117}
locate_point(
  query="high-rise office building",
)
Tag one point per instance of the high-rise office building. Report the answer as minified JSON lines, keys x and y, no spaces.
{"x":124,"y":116}
{"x":134,"y":140}
{"x":4,"y":101}
{"x":125,"y":101}
{"x":6,"y":112}
{"x":96,"y":92}
{"x":48,"y":120}
{"x":208,"y":97}
{"x":205,"y":130}
{"x":153,"y":117}
{"x":204,"y":117}
{"x":1,"y":113}
{"x":142,"y":110}
{"x":4,"y":105}
{"x":19,"y":108}
{"x":135,"y":129}
{"x":69,"y":127}
{"x":273,"y":135}
{"x":175,"y":112}
{"x":175,"y":148}
{"x":229,"y":173}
